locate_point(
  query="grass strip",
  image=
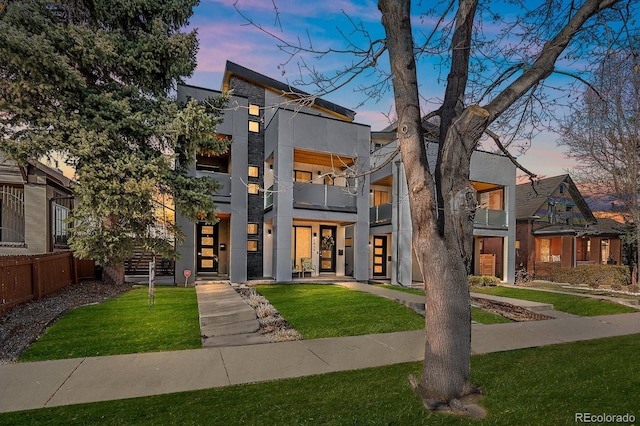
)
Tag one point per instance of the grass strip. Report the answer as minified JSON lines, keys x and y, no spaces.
{"x":539,"y":386}
{"x":123,"y":325}
{"x":576,"y":305}
{"x":320,"y":310}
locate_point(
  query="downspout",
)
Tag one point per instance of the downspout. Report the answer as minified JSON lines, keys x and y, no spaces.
{"x":398,"y":215}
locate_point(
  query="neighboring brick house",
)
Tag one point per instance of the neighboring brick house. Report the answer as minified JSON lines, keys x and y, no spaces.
{"x":556,"y":226}
{"x":281,"y":213}
{"x":35,"y":201}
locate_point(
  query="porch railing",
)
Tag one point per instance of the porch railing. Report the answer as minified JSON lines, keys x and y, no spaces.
{"x":12,"y":219}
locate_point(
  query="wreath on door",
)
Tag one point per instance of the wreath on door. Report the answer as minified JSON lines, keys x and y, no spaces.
{"x":327,"y":242}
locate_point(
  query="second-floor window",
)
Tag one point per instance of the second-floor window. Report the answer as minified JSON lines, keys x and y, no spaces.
{"x":302,"y":176}
{"x":380,"y":198}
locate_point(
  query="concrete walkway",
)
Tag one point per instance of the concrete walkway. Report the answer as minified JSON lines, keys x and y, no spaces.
{"x":225,"y":318}
{"x":74,"y":381}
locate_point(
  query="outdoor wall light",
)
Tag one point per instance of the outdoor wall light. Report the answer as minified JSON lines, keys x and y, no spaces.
{"x":315,"y":234}
{"x":269,"y":231}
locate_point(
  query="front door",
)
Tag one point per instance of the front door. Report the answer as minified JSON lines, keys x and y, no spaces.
{"x":380,"y":256}
{"x":327,"y":248}
{"x":207,"y":246}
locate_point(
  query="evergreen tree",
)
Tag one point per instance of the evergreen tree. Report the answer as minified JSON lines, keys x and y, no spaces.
{"x":90,"y":81}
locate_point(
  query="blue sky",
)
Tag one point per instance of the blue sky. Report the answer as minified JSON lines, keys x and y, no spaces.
{"x":224,"y":35}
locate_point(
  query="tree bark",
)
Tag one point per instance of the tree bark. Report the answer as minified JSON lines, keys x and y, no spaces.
{"x":113,"y":274}
{"x":443,"y":253}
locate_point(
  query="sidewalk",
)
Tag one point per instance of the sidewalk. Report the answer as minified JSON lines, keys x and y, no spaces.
{"x":63,"y":382}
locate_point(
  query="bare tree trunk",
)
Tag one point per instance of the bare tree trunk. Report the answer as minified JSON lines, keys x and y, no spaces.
{"x":443,"y":251}
{"x":113,"y":274}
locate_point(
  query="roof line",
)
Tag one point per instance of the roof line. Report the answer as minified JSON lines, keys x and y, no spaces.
{"x":282,"y":88}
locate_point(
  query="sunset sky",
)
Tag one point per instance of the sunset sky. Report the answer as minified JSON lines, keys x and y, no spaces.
{"x":224,"y":35}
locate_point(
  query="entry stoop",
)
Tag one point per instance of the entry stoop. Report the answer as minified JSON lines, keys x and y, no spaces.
{"x":225,"y":318}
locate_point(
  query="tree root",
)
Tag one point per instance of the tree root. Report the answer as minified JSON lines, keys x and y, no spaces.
{"x":466,"y":405}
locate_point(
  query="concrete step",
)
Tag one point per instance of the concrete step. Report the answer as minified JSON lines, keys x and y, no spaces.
{"x":234,"y":340}
{"x":242,"y":327}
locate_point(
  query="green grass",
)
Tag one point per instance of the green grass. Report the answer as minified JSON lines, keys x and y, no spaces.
{"x":318,"y":311}
{"x":477,"y":315}
{"x":540,"y":386}
{"x":123,"y":325}
{"x":402,"y":289}
{"x":561,"y":302}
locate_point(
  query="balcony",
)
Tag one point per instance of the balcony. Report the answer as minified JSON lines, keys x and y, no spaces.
{"x":494,"y":219}
{"x":223,"y":179}
{"x":324,"y":197}
{"x":381,"y":214}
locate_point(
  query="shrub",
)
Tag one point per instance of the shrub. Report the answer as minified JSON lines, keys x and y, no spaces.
{"x":482,"y":280}
{"x":522,"y":276}
{"x":592,"y":275}
{"x":616,"y":287}
{"x":633,"y":288}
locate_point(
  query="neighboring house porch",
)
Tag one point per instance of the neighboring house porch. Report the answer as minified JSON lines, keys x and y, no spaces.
{"x":35,"y":203}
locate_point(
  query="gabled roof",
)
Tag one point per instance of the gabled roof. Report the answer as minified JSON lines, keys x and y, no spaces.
{"x":233,"y":69}
{"x":531,"y":196}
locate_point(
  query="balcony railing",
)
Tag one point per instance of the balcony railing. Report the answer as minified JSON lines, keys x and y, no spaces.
{"x":325,"y":196}
{"x":268,"y":197}
{"x":223,"y":179}
{"x":380,"y":214}
{"x":486,"y":218}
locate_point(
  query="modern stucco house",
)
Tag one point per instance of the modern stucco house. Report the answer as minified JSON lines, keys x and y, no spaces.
{"x":283,"y":213}
{"x":35,"y":201}
{"x":393,"y":258}
{"x":556,"y":226}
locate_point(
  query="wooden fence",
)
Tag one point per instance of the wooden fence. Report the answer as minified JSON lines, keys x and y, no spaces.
{"x":23,"y":278}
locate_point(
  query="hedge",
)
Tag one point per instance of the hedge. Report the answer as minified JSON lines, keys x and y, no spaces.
{"x":482,"y":280}
{"x":592,"y":275}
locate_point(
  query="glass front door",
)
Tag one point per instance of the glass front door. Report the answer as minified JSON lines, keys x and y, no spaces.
{"x":327,"y":248}
{"x":207,"y":246}
{"x":380,"y":256}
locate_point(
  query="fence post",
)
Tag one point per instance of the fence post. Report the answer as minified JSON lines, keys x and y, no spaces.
{"x":74,"y":268}
{"x":35,"y":278}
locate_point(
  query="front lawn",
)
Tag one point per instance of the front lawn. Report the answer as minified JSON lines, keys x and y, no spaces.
{"x":539,"y":386}
{"x":330,"y":311}
{"x":561,"y":302}
{"x":123,"y":325}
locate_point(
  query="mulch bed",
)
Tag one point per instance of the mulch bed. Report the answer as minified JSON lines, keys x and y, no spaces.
{"x":507,"y":310}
